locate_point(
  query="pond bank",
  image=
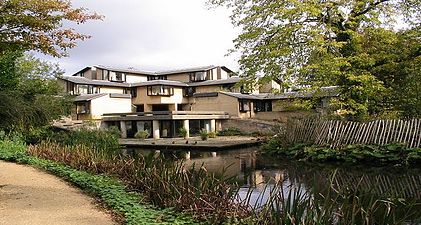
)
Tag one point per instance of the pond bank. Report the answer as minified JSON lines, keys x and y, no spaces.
{"x":218,"y":143}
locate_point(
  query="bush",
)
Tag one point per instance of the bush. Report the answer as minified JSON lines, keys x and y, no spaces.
{"x":230,"y":131}
{"x":204,"y":135}
{"x":142,"y":134}
{"x":212,"y":135}
{"x":182,"y":132}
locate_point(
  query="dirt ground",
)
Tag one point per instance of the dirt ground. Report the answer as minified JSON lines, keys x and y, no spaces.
{"x":30,"y":196}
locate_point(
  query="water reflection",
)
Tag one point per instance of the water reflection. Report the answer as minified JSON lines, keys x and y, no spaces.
{"x":262,"y":173}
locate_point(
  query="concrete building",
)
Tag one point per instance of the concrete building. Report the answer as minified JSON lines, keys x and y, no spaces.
{"x":162,"y":102}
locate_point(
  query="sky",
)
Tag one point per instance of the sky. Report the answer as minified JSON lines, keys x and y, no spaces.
{"x":152,"y":35}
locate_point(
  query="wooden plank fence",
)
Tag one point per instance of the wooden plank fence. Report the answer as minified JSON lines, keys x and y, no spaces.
{"x":340,"y":133}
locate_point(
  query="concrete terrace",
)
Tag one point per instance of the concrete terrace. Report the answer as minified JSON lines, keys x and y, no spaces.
{"x":215,"y":144}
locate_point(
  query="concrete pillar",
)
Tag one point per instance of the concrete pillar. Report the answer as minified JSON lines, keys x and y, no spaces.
{"x":123,"y":129}
{"x":155,"y":128}
{"x":175,"y":107}
{"x":213,"y":125}
{"x":186,"y":126}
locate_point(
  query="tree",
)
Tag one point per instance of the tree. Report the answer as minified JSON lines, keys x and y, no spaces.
{"x":319,"y":43}
{"x":38,"y":25}
{"x":34,"y":99}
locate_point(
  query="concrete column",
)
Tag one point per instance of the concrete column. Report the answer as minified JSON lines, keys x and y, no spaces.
{"x":186,"y":126}
{"x":175,"y":107}
{"x":213,"y":125}
{"x":123,"y":129}
{"x":155,"y":128}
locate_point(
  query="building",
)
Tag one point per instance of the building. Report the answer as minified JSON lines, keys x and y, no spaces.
{"x":163,"y":102}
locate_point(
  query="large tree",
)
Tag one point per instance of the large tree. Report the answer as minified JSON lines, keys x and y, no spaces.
{"x":38,"y":25}
{"x":323,"y":42}
{"x":28,"y":89}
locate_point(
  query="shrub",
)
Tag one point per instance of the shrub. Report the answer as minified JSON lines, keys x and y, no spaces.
{"x":230,"y":131}
{"x":212,"y":134}
{"x":182,"y":132}
{"x":142,"y":134}
{"x":204,"y":135}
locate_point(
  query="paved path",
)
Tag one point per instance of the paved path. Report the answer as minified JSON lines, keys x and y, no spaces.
{"x":30,"y":196}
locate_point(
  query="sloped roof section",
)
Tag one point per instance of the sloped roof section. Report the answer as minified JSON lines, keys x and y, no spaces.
{"x":231,"y":80}
{"x":126,"y":70}
{"x":83,"y":80}
{"x":88,"y":97}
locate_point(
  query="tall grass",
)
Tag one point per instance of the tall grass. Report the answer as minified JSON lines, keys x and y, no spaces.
{"x":332,"y":204}
{"x":206,"y":196}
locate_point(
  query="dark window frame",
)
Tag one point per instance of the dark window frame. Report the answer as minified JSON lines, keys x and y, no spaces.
{"x":242,"y":103}
{"x":170,"y":92}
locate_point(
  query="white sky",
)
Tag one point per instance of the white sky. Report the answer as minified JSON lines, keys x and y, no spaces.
{"x":152,"y":35}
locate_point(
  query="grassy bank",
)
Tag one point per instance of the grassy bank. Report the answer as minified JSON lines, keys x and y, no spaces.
{"x":390,"y":154}
{"x":110,"y":191}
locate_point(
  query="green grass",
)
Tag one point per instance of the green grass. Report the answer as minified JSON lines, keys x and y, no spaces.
{"x":110,"y":191}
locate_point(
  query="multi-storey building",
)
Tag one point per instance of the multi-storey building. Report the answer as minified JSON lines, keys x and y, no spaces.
{"x":163,"y":102}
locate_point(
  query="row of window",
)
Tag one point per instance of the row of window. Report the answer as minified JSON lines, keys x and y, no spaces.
{"x":259,"y":105}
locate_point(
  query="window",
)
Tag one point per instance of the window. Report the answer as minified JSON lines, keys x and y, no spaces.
{"x":244,"y":105}
{"x":189,"y":91}
{"x":82,"y":89}
{"x":133,"y":92}
{"x":160,"y":90}
{"x":105,"y":74}
{"x":119,"y":77}
{"x":160,"y":77}
{"x":83,"y":107}
{"x":198,"y":76}
{"x":263,"y":106}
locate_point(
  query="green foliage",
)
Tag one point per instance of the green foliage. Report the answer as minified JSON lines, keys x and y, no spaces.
{"x":109,"y":190}
{"x":230,"y":131}
{"x":142,"y":134}
{"x":30,"y":94}
{"x":396,"y":154}
{"x":350,"y":44}
{"x":38,"y":25}
{"x":212,"y":134}
{"x":182,"y":132}
{"x":104,"y":140}
{"x":204,"y":134}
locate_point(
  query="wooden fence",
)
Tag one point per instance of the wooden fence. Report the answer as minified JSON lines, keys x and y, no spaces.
{"x":340,"y":133}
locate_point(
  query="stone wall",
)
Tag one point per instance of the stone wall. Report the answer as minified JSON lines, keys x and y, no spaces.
{"x":250,"y":125}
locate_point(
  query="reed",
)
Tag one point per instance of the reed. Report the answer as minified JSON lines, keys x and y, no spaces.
{"x":206,"y":196}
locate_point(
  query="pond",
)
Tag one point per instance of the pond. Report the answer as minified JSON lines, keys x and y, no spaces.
{"x":258,"y":175}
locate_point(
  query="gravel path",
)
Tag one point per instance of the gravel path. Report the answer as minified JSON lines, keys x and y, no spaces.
{"x":30,"y":196}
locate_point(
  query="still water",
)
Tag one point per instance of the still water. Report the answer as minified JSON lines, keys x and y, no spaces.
{"x":259,"y":174}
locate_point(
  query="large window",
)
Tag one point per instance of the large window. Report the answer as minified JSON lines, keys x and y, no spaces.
{"x":263,"y":106}
{"x":83,"y":107}
{"x":244,"y":105}
{"x":189,"y":91}
{"x":198,"y":76}
{"x":160,"y":90}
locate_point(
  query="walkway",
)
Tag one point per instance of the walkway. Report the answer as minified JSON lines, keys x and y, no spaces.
{"x":30,"y":196}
